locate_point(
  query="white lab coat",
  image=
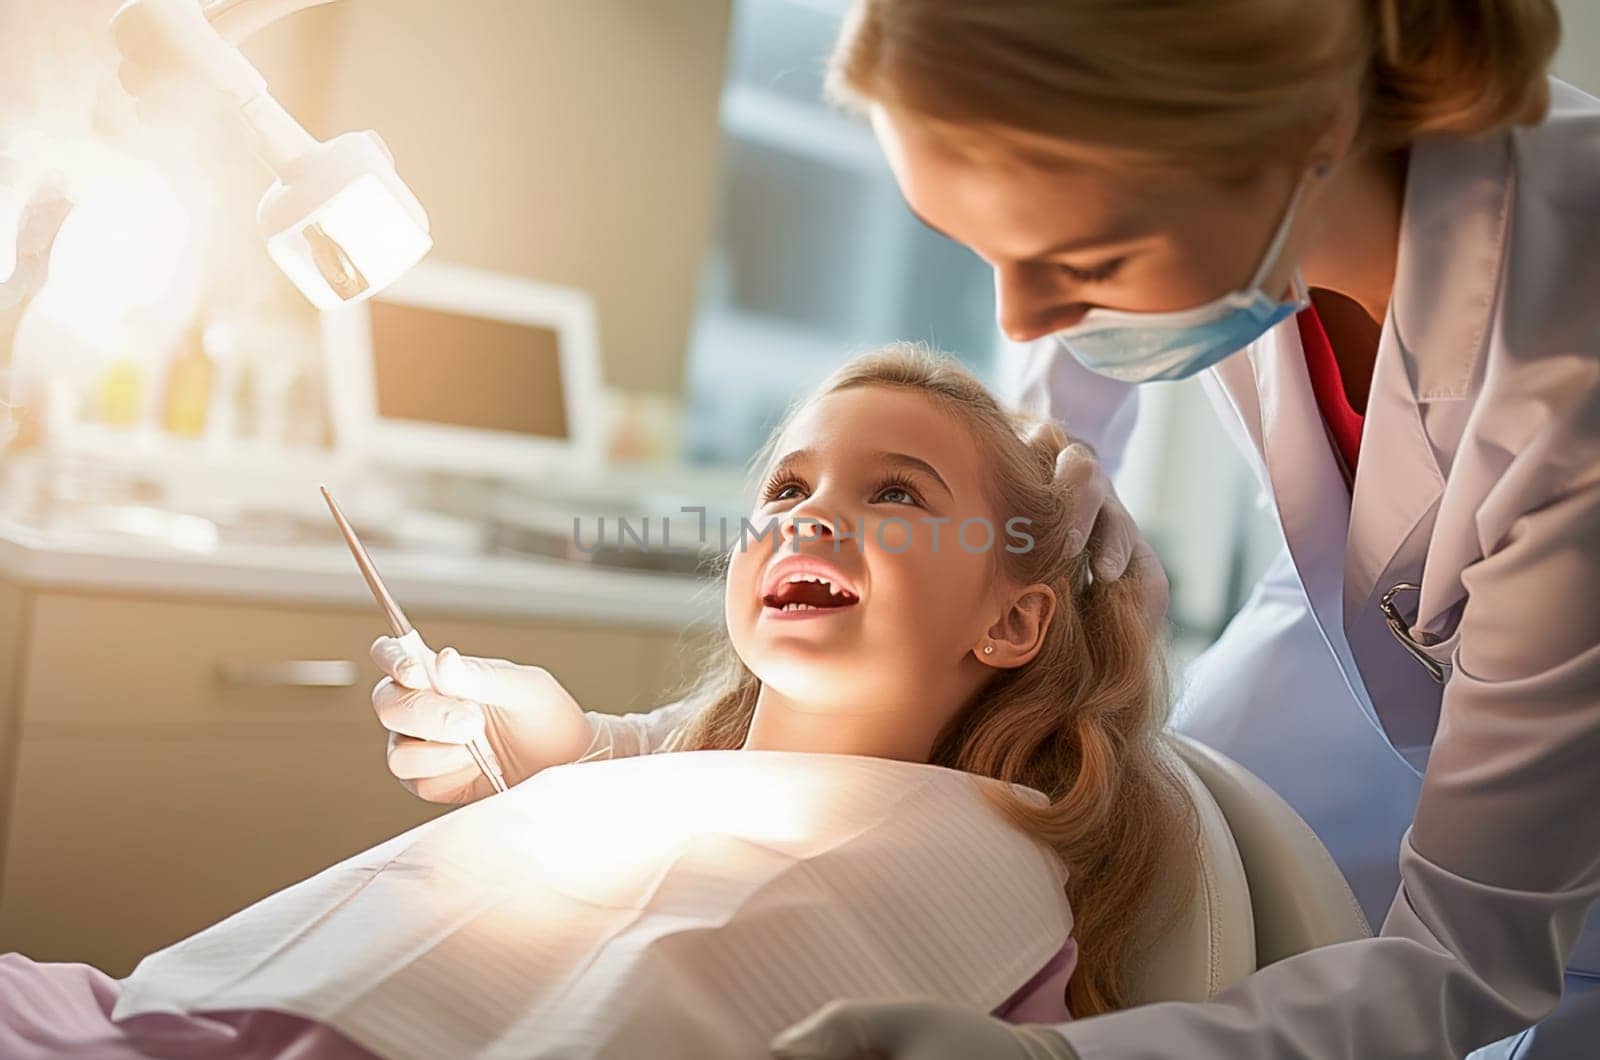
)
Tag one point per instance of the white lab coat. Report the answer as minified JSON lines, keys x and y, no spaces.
{"x":1479,"y":477}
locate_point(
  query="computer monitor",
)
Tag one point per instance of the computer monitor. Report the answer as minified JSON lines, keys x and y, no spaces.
{"x":452,"y":368}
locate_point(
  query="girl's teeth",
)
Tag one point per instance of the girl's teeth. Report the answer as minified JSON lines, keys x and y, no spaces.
{"x":833,"y":590}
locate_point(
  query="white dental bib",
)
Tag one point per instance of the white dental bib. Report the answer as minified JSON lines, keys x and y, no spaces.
{"x":670,"y":905}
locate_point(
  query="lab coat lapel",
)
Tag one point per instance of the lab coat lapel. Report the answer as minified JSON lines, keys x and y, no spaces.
{"x":1451,"y":246}
{"x":1313,"y":501}
{"x":1393,"y":513}
{"x":1397,"y":487}
{"x":1269,"y":392}
{"x":1426,"y":375}
{"x":1349,"y":549}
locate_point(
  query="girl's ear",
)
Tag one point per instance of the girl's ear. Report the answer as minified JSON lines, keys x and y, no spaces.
{"x":1018,"y":634}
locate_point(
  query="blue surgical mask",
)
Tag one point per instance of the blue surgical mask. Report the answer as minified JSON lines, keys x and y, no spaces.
{"x":1145,"y":347}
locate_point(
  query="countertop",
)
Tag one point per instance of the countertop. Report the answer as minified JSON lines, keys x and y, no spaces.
{"x":512,"y":586}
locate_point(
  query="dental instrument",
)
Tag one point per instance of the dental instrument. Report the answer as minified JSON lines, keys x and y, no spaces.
{"x":338,"y":220}
{"x":478,"y":747}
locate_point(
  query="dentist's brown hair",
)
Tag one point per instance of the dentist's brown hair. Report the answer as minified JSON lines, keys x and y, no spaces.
{"x":1186,"y":81}
{"x":1080,"y":723}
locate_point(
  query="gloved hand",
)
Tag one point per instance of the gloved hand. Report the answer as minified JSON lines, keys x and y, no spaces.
{"x":1098,"y":518}
{"x":914,"y":1030}
{"x":531,"y":722}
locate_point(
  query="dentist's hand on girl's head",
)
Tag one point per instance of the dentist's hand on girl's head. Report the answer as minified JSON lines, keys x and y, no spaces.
{"x":531,"y":722}
{"x":1101,"y":523}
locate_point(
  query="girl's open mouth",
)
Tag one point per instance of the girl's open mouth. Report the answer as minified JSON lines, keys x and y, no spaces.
{"x":803,"y":593}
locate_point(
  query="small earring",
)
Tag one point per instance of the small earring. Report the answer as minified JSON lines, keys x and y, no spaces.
{"x":988,"y":649}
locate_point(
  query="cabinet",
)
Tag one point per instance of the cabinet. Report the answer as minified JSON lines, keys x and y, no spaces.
{"x":167,"y":762}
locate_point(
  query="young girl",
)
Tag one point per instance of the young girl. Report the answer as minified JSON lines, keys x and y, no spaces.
{"x":904,"y":592}
{"x":953,"y":630}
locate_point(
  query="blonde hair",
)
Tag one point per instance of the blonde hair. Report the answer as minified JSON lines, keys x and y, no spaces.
{"x":1220,"y":81}
{"x":1080,"y":723}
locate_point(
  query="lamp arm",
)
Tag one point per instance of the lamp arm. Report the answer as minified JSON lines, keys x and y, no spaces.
{"x":239,"y":20}
{"x":338,"y":220}
{"x":183,"y":29}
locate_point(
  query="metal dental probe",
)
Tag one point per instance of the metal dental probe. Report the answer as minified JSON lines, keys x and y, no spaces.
{"x":478,"y":747}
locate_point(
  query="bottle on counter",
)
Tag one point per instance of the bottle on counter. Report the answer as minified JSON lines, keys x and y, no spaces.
{"x":190,"y":378}
{"x":121,"y":393}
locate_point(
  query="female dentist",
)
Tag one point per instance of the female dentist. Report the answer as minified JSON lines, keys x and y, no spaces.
{"x":1373,"y":228}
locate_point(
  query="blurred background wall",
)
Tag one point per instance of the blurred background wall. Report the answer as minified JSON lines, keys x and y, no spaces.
{"x":1579,"y":58}
{"x":572,"y":142}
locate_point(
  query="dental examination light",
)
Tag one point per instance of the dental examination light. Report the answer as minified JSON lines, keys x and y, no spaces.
{"x":338,"y":220}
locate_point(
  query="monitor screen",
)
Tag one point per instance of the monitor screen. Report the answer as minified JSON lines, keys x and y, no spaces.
{"x":457,"y":370}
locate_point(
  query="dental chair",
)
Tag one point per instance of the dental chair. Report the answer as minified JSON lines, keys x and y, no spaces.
{"x":1264,"y":887}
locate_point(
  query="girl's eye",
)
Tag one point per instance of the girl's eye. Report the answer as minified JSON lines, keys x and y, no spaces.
{"x":1098,"y":274}
{"x":782,"y":490}
{"x":896,"y":493}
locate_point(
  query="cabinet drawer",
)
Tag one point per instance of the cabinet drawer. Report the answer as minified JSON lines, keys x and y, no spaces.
{"x":98,"y":659}
{"x":174,"y":764}
{"x":121,"y":845}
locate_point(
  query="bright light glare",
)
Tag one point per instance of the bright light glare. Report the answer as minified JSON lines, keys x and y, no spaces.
{"x":120,"y":251}
{"x":604,"y":832}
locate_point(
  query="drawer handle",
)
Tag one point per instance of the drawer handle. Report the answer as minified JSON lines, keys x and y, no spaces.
{"x":295,"y":673}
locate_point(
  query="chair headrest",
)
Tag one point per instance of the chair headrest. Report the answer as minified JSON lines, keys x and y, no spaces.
{"x":1211,"y":944}
{"x":1299,"y":898}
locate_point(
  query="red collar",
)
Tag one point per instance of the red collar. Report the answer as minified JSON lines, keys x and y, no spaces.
{"x":1343,"y":421}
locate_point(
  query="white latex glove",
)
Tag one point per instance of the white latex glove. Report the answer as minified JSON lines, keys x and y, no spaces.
{"x":914,"y":1030}
{"x":1100,"y":520}
{"x":531,"y":722}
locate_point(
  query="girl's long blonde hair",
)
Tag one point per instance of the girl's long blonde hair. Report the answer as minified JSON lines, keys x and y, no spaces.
{"x":1196,"y":80}
{"x":1080,"y":723}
